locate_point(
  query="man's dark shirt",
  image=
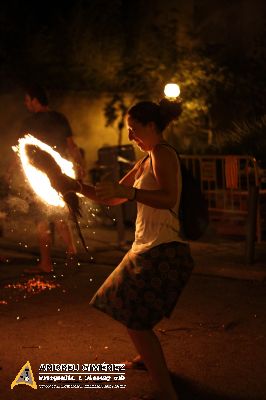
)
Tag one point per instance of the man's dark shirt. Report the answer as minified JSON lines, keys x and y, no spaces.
{"x":51,"y":127}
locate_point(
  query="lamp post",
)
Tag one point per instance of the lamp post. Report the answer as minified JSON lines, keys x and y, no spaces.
{"x":171,"y":92}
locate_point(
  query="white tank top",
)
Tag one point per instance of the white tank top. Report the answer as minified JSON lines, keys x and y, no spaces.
{"x":155,"y":226}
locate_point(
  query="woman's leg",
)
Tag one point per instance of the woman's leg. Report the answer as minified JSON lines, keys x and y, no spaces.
{"x":150,"y":350}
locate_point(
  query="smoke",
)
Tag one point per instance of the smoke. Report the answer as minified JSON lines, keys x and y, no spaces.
{"x":18,"y":204}
{"x":2,"y":215}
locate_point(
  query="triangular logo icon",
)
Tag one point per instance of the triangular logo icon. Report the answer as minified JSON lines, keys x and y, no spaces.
{"x":25,"y":377}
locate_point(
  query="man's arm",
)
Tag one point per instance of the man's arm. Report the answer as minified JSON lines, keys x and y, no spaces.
{"x":75,"y":153}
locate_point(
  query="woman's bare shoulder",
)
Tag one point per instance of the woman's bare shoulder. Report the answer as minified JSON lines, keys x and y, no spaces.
{"x":164,"y":151}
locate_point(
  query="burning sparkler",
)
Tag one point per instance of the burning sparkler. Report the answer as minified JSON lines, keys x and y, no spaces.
{"x":37,"y":178}
{"x":45,"y":169}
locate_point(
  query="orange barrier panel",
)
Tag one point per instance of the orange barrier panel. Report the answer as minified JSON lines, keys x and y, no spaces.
{"x":226,"y":180}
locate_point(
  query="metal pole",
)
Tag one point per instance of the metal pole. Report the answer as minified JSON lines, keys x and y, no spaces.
{"x":253,"y":196}
{"x":118,"y":209}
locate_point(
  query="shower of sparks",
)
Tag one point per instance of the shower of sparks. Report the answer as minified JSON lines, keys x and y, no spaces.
{"x":38,"y":180}
{"x":34,"y":285}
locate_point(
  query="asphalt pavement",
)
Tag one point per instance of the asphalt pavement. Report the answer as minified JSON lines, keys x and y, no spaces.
{"x":214,"y":342}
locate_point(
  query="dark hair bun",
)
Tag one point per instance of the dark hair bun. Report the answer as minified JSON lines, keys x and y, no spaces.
{"x":161,"y":114}
{"x":170,"y":110}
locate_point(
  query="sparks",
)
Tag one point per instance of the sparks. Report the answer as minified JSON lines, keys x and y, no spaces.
{"x":34,"y":285}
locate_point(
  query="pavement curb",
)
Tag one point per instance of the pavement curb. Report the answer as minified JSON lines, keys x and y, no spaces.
{"x":230,"y":273}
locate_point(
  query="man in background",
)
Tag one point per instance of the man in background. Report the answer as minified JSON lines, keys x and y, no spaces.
{"x":54,"y":129}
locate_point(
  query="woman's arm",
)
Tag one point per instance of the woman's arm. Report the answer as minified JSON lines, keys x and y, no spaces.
{"x":129,"y":178}
{"x":112,"y":200}
{"x":89,"y":191}
{"x":165,"y":167}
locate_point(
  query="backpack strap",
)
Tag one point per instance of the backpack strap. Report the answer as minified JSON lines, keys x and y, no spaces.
{"x":172,"y":147}
{"x":144,"y":159}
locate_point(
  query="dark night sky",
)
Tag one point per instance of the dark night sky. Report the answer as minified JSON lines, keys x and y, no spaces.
{"x":34,"y":34}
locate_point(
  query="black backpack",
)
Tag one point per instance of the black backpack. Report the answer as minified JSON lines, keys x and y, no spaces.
{"x":193,"y":208}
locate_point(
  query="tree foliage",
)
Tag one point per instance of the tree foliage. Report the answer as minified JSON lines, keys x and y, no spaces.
{"x":130,"y":50}
{"x":201,"y":80}
{"x":246,"y":137}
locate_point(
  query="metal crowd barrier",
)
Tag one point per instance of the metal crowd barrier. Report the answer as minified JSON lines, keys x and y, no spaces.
{"x":227,"y":182}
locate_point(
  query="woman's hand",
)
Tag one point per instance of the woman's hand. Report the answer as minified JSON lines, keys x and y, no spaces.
{"x":43,"y":161}
{"x":111,"y":190}
{"x":63,"y":184}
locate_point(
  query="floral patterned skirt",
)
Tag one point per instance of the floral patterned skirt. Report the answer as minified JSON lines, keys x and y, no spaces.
{"x":145,"y":287}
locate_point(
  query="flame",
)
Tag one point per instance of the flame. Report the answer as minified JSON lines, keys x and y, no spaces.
{"x":38,"y":180}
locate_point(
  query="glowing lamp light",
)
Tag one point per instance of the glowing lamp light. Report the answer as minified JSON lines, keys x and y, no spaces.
{"x":171,"y":91}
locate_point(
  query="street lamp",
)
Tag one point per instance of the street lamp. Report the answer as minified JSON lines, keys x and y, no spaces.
{"x":171,"y":91}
